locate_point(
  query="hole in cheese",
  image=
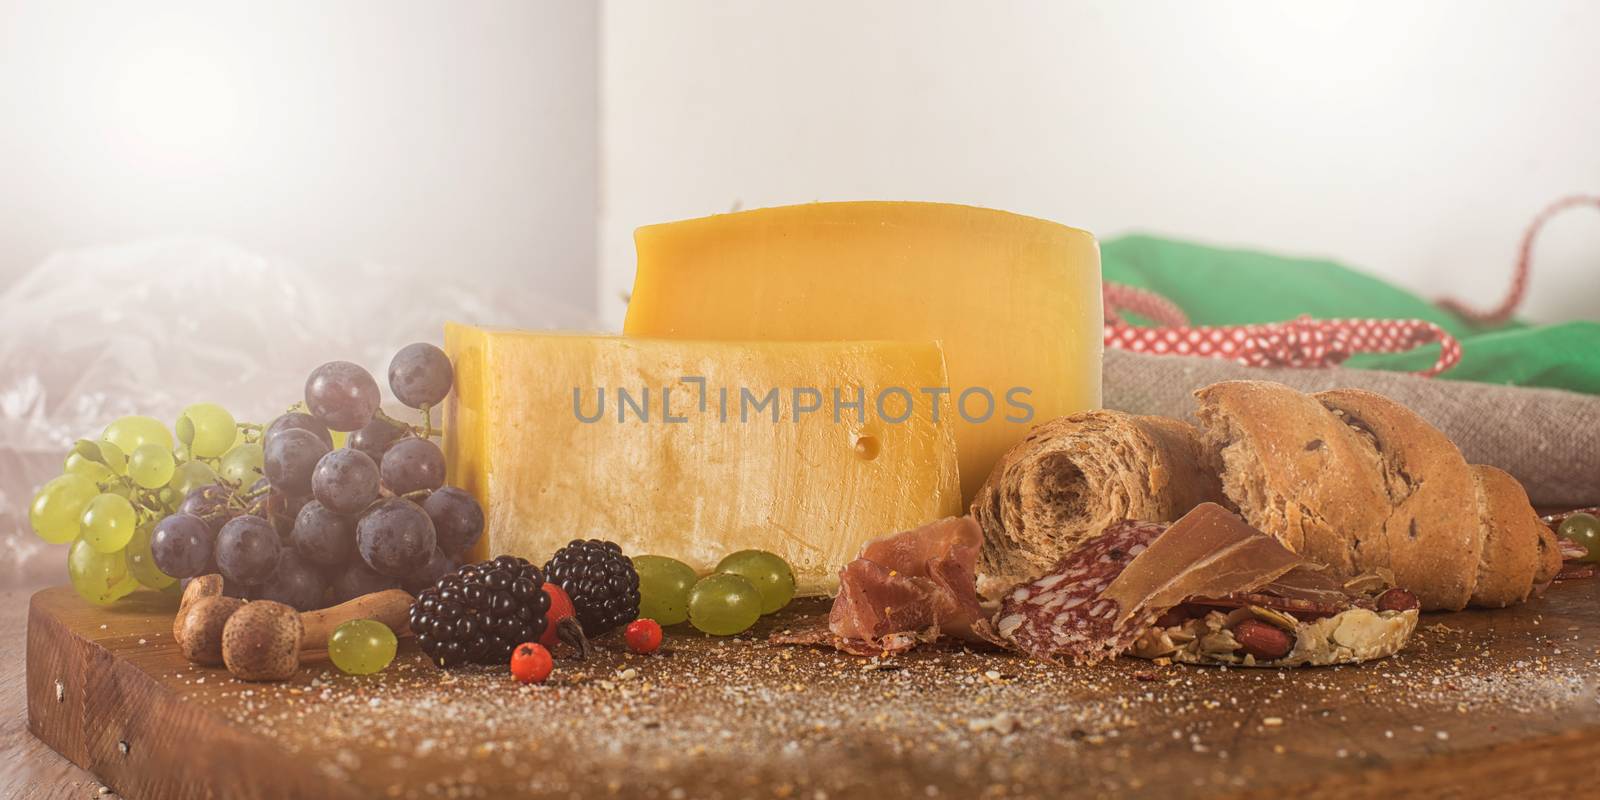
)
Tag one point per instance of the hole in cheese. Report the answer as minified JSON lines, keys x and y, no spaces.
{"x":866,"y":447}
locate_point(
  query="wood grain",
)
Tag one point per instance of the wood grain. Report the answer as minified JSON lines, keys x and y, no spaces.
{"x":32,"y":770}
{"x":1484,"y":704}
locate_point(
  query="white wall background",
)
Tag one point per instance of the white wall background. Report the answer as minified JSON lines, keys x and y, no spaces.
{"x":439,"y":137}
{"x":1413,"y":139}
{"x":528,"y":139}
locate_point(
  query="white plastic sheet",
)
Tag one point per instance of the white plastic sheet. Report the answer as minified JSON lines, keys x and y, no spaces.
{"x":149,"y":328}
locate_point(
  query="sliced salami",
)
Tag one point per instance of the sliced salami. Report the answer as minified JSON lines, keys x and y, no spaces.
{"x":1061,"y":616}
{"x":1572,"y":571}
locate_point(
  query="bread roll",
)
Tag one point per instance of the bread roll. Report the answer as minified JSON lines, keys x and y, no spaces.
{"x":1358,"y":482}
{"x":1073,"y":477}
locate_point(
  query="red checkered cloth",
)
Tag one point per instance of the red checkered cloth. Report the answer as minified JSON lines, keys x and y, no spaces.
{"x":1306,"y":342}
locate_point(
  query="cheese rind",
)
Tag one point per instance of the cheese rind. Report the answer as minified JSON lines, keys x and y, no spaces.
{"x":806,"y":487}
{"x":1015,"y":301}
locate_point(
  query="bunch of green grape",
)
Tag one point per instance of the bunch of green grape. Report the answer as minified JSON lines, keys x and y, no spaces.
{"x":745,"y":586}
{"x":115,"y":488}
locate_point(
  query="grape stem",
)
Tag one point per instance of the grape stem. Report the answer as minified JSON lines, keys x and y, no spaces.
{"x":251,"y":494}
{"x":420,"y":431}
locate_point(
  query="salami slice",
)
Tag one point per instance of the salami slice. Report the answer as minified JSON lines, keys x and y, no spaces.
{"x":1061,"y":616}
{"x":1572,"y":571}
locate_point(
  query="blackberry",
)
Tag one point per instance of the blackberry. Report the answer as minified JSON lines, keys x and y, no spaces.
{"x":481,"y":612}
{"x":601,"y":582}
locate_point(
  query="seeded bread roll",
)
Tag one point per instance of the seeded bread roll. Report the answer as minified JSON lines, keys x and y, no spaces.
{"x":1358,"y":482}
{"x":1520,"y":551}
{"x":1073,"y":477}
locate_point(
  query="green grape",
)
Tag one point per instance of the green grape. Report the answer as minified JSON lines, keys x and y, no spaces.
{"x":768,"y":572}
{"x":664,"y":585}
{"x":78,"y":464}
{"x":151,"y":466}
{"x":108,"y":523}
{"x":180,"y":452}
{"x":1585,"y":530}
{"x":128,"y":433}
{"x":207,"y":428}
{"x":339,"y":438}
{"x":362,"y":646}
{"x":100,"y":578}
{"x":242,"y":464}
{"x":141,"y":564}
{"x":114,"y":457}
{"x":57,"y":510}
{"x":724,"y":604}
{"x":191,"y":475}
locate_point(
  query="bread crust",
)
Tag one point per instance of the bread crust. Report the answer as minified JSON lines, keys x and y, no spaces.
{"x":1295,"y":471}
{"x":1434,"y":534}
{"x":1358,"y":482}
{"x":1072,"y":477}
{"x":1516,"y":557}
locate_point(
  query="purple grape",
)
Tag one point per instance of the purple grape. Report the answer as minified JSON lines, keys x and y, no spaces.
{"x":211,"y":505}
{"x":412,"y":465}
{"x":437,"y":567}
{"x":420,"y":375}
{"x":247,"y":550}
{"x":375,"y":438}
{"x":181,"y":545}
{"x":290,"y":458}
{"x":346,"y":481}
{"x":295,"y":583}
{"x":360,"y":579}
{"x":395,"y":537}
{"x":342,"y":395}
{"x":276,"y":507}
{"x":298,"y":420}
{"x":325,"y":539}
{"x":457,"y":519}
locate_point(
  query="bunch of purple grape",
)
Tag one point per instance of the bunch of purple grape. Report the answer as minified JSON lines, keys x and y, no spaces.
{"x":328,"y":524}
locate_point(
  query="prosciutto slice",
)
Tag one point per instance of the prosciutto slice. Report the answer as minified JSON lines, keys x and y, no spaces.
{"x":1307,"y":591}
{"x":904,"y":589}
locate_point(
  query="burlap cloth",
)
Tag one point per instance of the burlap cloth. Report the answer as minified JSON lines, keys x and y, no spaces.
{"x":1549,"y":439}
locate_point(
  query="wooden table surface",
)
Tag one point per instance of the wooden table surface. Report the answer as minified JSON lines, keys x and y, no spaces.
{"x":1493,"y":704}
{"x":32,"y":770}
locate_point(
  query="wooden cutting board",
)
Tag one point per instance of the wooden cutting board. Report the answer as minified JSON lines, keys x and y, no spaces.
{"x":1499,"y":704}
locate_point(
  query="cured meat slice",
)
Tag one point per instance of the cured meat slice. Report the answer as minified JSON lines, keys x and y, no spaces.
{"x":1573,"y":571}
{"x":911,"y":581}
{"x":817,"y":633}
{"x":1062,"y":616}
{"x":1304,"y":609}
{"x":1104,"y":595}
{"x":904,"y":589}
{"x":1307,"y":591}
{"x":1570,"y":550}
{"x":1209,"y":551}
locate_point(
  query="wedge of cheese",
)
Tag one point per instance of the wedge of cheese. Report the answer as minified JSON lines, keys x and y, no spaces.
{"x":695,"y":449}
{"x":1015,"y":301}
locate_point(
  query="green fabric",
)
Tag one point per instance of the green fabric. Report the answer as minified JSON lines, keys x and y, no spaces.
{"x":1215,"y":286}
